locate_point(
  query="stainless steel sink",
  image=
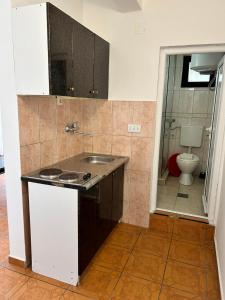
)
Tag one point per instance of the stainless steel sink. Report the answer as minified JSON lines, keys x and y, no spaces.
{"x":101,"y":160}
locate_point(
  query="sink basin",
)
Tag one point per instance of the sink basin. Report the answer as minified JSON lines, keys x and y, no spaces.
{"x":101,"y":160}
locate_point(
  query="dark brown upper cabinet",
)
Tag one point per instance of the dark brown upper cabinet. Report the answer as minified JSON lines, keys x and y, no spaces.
{"x":56,"y":55}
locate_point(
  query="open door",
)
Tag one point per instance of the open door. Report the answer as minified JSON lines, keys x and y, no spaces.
{"x":213,"y":133}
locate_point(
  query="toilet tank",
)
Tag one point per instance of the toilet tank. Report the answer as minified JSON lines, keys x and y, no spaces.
{"x":191,"y":136}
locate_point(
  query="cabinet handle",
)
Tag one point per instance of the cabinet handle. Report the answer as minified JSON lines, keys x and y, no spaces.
{"x":92,"y":92}
{"x":71,"y":89}
{"x":96,"y":92}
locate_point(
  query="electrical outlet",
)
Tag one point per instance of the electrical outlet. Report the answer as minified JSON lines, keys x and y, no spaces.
{"x":135,"y":128}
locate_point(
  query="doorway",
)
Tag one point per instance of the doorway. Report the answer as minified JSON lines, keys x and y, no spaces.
{"x":181,"y":106}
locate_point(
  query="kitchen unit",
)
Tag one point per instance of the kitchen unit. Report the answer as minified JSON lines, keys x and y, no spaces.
{"x":74,"y":205}
{"x":56,"y":55}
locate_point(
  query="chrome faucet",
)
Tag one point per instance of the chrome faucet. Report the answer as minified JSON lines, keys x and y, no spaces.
{"x":72,"y":127}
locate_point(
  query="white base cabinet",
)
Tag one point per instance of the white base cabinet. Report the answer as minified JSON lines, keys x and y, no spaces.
{"x":54,"y":231}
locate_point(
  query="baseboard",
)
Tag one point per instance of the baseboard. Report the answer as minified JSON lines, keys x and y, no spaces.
{"x":219,"y":271}
{"x":17,"y":262}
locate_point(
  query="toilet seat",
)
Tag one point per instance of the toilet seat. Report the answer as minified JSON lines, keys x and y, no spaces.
{"x":188,"y":157}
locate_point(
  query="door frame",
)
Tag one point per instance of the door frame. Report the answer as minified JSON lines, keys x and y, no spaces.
{"x":176,"y":50}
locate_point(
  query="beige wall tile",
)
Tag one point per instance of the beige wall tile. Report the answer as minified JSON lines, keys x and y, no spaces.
{"x":88,"y":143}
{"x":47,"y":112}
{"x":76,"y":112}
{"x":30,"y":158}
{"x":61,"y":147}
{"x":74,"y":144}
{"x":62,"y":116}
{"x":141,"y":153}
{"x":48,"y":153}
{"x":28,"y":111}
{"x":102,"y":144}
{"x":122,"y":116}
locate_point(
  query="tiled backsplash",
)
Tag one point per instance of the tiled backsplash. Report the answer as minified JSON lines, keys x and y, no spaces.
{"x":188,"y":106}
{"x":44,"y":142}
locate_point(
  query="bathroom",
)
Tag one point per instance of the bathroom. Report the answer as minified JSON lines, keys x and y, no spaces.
{"x":188,"y":116}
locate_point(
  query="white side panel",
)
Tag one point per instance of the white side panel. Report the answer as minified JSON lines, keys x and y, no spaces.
{"x":30,"y":41}
{"x":54,"y":231}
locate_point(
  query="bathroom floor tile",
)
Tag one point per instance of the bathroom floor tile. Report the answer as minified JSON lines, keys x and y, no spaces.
{"x":132,"y":288}
{"x":122,"y":239}
{"x":186,"y":230}
{"x":10,"y":282}
{"x":185,"y":277}
{"x":112,"y":257}
{"x":160,"y":225}
{"x":146,"y":266}
{"x":153,"y":244}
{"x":168,"y":293}
{"x":97,"y":283}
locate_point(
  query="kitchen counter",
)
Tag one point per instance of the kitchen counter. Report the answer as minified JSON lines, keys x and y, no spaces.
{"x":78,"y":163}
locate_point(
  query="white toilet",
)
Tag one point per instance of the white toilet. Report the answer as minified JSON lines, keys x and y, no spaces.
{"x":191,"y":136}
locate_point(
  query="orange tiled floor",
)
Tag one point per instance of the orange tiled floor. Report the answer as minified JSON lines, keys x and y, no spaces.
{"x":173,"y":259}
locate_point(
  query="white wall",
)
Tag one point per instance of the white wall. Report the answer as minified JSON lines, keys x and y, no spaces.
{"x":136,"y":38}
{"x":74,"y":8}
{"x":220,"y":236}
{"x":8,"y":102}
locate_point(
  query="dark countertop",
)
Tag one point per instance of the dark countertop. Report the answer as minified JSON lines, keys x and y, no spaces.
{"x":79,"y":164}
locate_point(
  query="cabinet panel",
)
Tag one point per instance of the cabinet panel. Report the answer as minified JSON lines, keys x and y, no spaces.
{"x":117,"y":204}
{"x":83,"y":44}
{"x":101,"y":68}
{"x":87,"y":213}
{"x":60,"y":35}
{"x":104,"y":210}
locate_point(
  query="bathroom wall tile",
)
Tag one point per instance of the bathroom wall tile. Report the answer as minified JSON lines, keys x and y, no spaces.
{"x":30,"y":158}
{"x":178,"y":74}
{"x":47,"y":113}
{"x":141,"y":153}
{"x":122,"y":116}
{"x":200,"y":102}
{"x":48,"y":153}
{"x":176,"y":100}
{"x":28,"y":111}
{"x":102,"y":144}
{"x":186,"y":101}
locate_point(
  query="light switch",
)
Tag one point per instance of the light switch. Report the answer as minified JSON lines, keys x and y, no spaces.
{"x":135,"y":128}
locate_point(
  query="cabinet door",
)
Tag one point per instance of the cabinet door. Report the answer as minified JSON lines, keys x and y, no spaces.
{"x":104,"y":210}
{"x":117,"y":206}
{"x":60,"y":36}
{"x":87,"y":213}
{"x":83,"y":56}
{"x":101,"y":68}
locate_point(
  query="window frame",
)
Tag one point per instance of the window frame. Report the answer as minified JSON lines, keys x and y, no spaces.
{"x":193,"y":84}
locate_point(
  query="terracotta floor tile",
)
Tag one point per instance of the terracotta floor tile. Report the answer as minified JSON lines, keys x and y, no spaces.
{"x":4,"y":249}
{"x":213,"y":288}
{"x":10,"y":282}
{"x":190,"y":231}
{"x":129,"y":227}
{"x":211,"y":261}
{"x":160,"y":225}
{"x":174,"y":294}
{"x":74,"y":296}
{"x":153,"y":244}
{"x":36,"y":290}
{"x":209,"y":235}
{"x":146,"y":266}
{"x":97,"y":283}
{"x":122,"y":239}
{"x":15,"y":268}
{"x":112,"y":257}
{"x":186,"y":278}
{"x":188,"y":253}
{"x":132,"y":288}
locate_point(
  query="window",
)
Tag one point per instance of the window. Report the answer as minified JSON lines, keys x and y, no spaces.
{"x":191,"y":78}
